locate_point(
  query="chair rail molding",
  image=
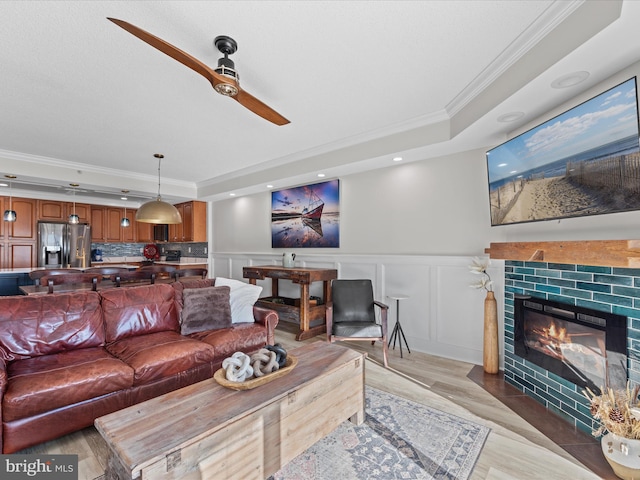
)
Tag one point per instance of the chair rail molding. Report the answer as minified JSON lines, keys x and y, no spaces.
{"x":443,"y":316}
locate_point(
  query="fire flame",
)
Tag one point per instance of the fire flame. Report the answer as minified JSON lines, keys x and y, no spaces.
{"x":556,"y":333}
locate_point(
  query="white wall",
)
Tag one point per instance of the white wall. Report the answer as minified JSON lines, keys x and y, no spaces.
{"x":413,"y":228}
{"x":442,"y":316}
{"x":434,"y":207}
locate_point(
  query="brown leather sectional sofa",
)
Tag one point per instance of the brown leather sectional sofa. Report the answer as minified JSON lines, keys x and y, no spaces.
{"x":69,"y":358}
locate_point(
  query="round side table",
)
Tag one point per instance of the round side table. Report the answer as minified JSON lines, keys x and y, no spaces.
{"x":397,"y":330}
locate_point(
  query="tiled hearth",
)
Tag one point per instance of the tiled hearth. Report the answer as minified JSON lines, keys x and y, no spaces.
{"x":607,"y":289}
{"x":583,"y":447}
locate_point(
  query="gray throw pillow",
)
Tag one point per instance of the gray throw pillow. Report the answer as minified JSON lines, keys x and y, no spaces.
{"x":205,"y":309}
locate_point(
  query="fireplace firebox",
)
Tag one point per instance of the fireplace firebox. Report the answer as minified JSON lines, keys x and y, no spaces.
{"x":584,"y":346}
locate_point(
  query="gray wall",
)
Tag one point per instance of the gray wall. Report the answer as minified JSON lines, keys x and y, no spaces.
{"x":437,"y":206}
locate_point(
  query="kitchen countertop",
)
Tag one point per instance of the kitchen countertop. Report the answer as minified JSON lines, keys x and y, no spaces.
{"x":162,"y":261}
{"x":130,"y":266}
{"x":118,"y":263}
{"x":17,"y":270}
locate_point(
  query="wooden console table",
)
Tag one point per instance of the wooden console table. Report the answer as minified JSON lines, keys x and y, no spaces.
{"x":298,"y":310}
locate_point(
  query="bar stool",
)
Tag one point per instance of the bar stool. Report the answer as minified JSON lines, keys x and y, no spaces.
{"x":397,"y":330}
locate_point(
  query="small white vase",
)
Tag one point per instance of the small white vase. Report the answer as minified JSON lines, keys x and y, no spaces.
{"x":623,"y":454}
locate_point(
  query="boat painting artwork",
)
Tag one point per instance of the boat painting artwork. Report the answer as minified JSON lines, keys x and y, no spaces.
{"x":306,"y":216}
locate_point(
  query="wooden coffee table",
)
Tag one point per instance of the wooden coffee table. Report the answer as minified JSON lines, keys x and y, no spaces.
{"x":208,"y":431}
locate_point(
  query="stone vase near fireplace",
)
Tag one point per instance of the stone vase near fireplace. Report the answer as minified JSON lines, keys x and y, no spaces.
{"x":490,"y":350}
{"x":623,"y":454}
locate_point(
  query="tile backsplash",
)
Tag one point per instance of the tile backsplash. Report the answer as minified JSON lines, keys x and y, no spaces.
{"x":196,"y":249}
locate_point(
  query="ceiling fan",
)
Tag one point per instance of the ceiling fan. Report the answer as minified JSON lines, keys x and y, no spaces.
{"x":224,"y":78}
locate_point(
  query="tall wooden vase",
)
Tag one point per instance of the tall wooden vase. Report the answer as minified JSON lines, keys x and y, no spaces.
{"x":490,"y":351}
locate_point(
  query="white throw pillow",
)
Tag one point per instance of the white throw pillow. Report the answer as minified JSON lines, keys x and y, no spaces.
{"x":242,"y":298}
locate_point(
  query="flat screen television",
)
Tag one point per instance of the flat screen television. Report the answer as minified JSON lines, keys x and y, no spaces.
{"x":585,"y":161}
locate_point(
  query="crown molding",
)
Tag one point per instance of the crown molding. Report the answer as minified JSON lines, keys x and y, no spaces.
{"x":541,"y":27}
{"x":82,"y":168}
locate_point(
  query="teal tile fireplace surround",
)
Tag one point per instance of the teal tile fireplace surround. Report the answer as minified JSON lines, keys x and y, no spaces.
{"x":607,"y":289}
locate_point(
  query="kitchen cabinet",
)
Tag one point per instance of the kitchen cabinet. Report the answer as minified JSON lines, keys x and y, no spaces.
{"x":176,"y":230}
{"x":24,"y":228}
{"x":50,"y":210}
{"x":53,"y":211}
{"x":18,"y":240}
{"x":83,"y":210}
{"x":128,"y":234}
{"x":98,"y":233}
{"x":105,"y":225}
{"x":112,"y":225}
{"x":144,"y":231}
{"x":22,"y":255}
{"x":194,"y":223}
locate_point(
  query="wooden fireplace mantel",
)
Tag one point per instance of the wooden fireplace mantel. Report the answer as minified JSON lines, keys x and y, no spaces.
{"x":610,"y":253}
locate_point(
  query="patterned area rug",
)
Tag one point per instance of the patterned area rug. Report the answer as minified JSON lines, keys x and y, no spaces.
{"x":399,"y":439}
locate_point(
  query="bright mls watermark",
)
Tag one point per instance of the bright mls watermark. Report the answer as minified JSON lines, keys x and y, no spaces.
{"x":51,"y":467}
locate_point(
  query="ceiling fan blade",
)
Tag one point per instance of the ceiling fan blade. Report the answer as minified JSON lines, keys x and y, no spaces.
{"x":256,"y":106}
{"x":174,"y":52}
{"x":244,"y":98}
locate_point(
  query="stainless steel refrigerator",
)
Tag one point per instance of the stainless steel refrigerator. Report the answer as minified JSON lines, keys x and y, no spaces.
{"x":64,"y":245}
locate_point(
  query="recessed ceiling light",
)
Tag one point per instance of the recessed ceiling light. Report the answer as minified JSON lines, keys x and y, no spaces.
{"x":570,"y":79}
{"x":510,"y":117}
{"x":4,"y":184}
{"x":232,"y":194}
{"x":269,"y":186}
{"x":321,"y":175}
{"x":397,"y":159}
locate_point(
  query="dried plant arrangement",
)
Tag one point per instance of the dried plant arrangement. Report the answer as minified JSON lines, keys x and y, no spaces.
{"x":617,"y":410}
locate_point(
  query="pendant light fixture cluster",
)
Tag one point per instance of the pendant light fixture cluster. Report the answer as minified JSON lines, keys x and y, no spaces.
{"x":74,"y":219}
{"x":157,"y":211}
{"x":10,"y":214}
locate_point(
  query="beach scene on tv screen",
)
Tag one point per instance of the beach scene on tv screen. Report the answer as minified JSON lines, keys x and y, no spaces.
{"x":585,"y":161}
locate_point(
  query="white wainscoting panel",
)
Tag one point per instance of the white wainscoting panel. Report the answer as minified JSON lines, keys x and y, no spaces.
{"x":443,"y":316}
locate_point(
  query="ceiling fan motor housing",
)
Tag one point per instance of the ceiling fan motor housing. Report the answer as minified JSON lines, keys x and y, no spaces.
{"x":227,"y":46}
{"x":227,"y":67}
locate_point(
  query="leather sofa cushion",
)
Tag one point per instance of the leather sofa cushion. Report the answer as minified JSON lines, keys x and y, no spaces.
{"x":245,"y":337}
{"x":49,"y":324}
{"x":205,"y":309}
{"x":44,"y":383}
{"x":132,"y":311}
{"x":160,"y":355}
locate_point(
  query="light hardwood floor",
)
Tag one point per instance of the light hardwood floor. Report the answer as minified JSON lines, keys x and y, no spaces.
{"x":514,"y":449}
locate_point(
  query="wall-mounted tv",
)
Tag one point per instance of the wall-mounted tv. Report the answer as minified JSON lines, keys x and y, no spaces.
{"x":585,"y":161}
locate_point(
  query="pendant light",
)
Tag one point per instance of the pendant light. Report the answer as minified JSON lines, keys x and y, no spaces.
{"x":10,"y":215}
{"x":73,"y":218}
{"x":157,"y":211}
{"x":125,"y":220}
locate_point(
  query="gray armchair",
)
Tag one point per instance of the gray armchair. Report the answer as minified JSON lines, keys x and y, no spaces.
{"x":351,"y":314}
